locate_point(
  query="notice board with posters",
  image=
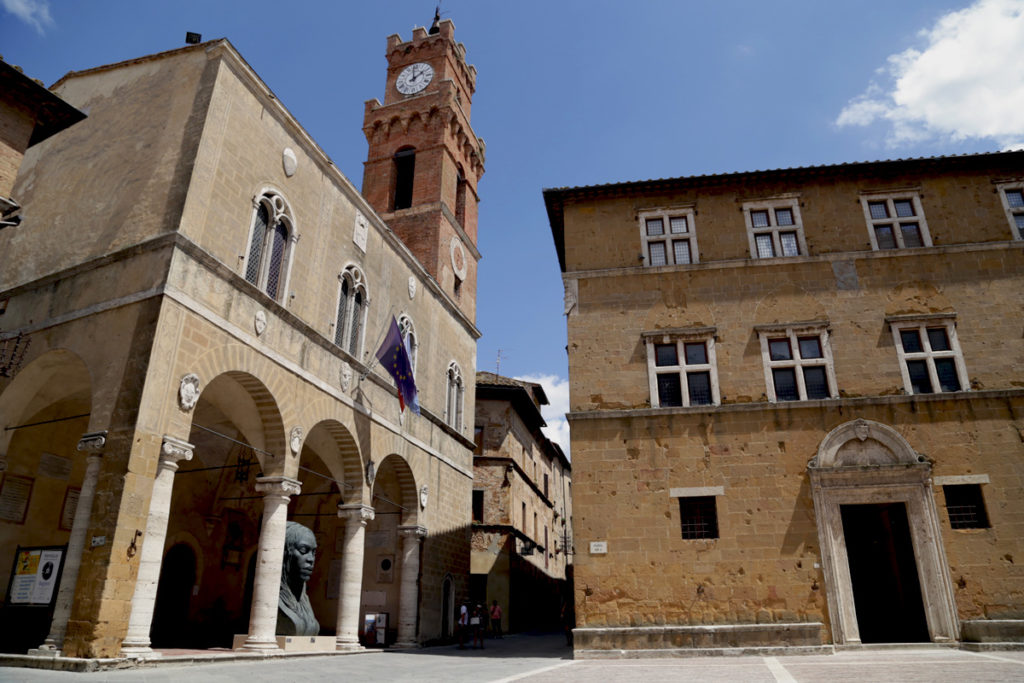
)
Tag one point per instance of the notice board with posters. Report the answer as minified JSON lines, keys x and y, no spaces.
{"x":36,"y":575}
{"x":31,"y":596}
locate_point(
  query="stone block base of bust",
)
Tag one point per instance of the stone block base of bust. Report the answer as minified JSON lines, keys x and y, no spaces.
{"x":295,"y":643}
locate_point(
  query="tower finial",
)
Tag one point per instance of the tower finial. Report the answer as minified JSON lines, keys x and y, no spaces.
{"x":437,"y":19}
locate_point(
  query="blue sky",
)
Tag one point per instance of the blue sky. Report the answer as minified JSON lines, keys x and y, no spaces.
{"x":588,"y":92}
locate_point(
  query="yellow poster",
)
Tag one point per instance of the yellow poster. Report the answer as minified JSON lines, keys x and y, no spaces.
{"x":28,"y":562}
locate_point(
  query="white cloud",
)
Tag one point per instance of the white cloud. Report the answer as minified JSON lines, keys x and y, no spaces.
{"x":33,"y":12}
{"x":964,"y":82}
{"x":557,"y":390}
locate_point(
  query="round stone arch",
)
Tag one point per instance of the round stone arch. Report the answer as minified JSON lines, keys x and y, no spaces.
{"x":245,"y":401}
{"x":867,"y":462}
{"x":56,"y":376}
{"x":347,"y":464}
{"x":396,"y":466}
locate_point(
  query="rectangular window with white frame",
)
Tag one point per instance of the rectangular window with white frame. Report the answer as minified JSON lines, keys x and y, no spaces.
{"x":1012,"y":196}
{"x":774,"y":227}
{"x":681,"y":367}
{"x":668,"y":237}
{"x":929,"y":353}
{"x":895,"y":221}
{"x":797,"y":361}
{"x":698,"y":511}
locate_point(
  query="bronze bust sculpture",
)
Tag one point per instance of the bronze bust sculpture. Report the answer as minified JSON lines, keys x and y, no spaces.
{"x":294,"y":613}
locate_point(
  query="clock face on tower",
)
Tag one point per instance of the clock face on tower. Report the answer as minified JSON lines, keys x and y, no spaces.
{"x":414,"y":78}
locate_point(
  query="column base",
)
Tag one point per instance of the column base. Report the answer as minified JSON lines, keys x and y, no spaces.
{"x":139,"y":652}
{"x":348,"y":645}
{"x":45,"y":650}
{"x":249,"y":643}
{"x":404,"y":646}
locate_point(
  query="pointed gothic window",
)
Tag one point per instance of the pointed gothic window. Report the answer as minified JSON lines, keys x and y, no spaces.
{"x":412,"y":344}
{"x":270,"y":240}
{"x":352,"y":300}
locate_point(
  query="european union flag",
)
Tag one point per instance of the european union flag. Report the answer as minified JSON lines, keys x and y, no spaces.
{"x":393,"y":355}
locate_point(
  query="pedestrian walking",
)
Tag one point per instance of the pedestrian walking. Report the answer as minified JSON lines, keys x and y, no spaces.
{"x":476,"y":623}
{"x":495,"y":619}
{"x":463,"y":625}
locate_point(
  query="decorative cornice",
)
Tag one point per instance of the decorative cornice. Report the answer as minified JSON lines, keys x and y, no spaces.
{"x":93,"y":442}
{"x":356,"y":512}
{"x":413,"y":531}
{"x":172,"y":450}
{"x":282,"y":486}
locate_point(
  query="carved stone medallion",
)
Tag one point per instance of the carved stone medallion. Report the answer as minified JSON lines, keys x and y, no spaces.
{"x":424,"y":491}
{"x":289,"y":161}
{"x":295,"y":440}
{"x":260,"y":322}
{"x":412,"y":287}
{"x":188,"y":391}
{"x":371,"y":472}
{"x":346,"y":377}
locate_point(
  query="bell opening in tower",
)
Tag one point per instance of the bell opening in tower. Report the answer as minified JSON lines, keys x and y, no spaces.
{"x":405,"y":169}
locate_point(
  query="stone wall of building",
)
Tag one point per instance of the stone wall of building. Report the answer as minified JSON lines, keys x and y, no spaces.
{"x":634,"y":461}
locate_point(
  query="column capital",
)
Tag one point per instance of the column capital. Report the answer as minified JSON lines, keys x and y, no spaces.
{"x":280,"y":486}
{"x":356,"y":512}
{"x":172,"y":450}
{"x":414,"y":531}
{"x":93,"y":442}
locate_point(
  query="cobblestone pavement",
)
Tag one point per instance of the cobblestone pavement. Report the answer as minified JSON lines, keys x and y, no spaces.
{"x":544,"y":658}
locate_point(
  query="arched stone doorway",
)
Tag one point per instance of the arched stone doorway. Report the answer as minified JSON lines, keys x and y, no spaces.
{"x":237,"y":435}
{"x":172,"y":613}
{"x":391,"y":566}
{"x":873,"y":494}
{"x":331,"y":477}
{"x":45,"y":411}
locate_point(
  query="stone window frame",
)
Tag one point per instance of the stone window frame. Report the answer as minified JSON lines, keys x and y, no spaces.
{"x":698,"y":492}
{"x":454,"y":397}
{"x":680,"y":337}
{"x":889,"y":198}
{"x":771,"y":206}
{"x":407,"y":329}
{"x":793,"y":332}
{"x":258,"y":260}
{"x":666,"y":238}
{"x":978,"y":480}
{"x":352,"y":290}
{"x":1014,"y":212}
{"x":924,"y":322}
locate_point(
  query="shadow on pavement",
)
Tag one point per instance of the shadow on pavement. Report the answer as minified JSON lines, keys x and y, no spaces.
{"x":521,"y":645}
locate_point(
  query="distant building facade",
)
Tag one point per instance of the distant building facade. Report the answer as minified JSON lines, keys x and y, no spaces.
{"x":522,"y":507}
{"x":203,"y":293}
{"x":797,"y":405}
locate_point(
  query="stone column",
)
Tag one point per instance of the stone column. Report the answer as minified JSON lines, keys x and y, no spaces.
{"x":267,"y":585}
{"x":409,"y":597}
{"x":92,"y":444}
{"x":136,"y":643}
{"x":356,"y":516}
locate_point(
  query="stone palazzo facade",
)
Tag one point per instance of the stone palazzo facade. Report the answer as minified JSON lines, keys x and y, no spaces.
{"x":797,"y":406}
{"x":201,"y":294}
{"x":522,"y":508}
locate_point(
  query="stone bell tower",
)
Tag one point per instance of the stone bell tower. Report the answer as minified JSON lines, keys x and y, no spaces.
{"x":424,"y":160}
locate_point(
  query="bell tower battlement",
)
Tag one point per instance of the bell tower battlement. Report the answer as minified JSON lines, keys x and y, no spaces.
{"x":424,"y":160}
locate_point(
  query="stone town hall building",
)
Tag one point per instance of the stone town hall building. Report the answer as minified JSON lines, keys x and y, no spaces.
{"x":194,"y":298}
{"x":797,"y":405}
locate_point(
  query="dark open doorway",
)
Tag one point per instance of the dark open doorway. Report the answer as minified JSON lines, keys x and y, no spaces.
{"x":886,"y":588}
{"x":173,"y":599}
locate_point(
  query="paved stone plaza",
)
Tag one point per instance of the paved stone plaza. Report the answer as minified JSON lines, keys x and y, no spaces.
{"x":546,"y":659}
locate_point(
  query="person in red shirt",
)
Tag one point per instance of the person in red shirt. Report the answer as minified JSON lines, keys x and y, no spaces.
{"x":495,"y":619}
